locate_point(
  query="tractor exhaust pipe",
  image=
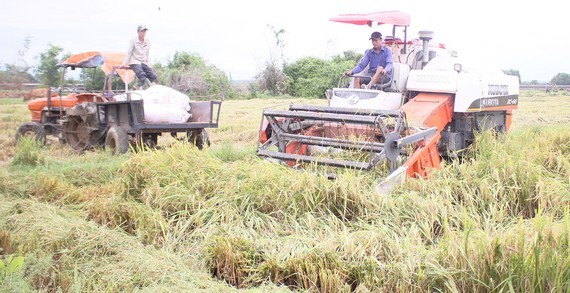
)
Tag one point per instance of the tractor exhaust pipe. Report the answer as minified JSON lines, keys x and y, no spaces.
{"x":425,"y":36}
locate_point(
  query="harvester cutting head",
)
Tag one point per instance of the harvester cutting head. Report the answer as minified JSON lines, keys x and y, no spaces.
{"x":341,"y":137}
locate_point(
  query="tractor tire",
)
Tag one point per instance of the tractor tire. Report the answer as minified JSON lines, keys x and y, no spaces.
{"x":117,"y":140}
{"x":32,"y":129}
{"x":80,"y":134}
{"x":199,"y":138}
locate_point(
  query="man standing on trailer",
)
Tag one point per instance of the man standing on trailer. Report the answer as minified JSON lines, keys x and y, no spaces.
{"x":379,"y":61}
{"x":138,"y":58}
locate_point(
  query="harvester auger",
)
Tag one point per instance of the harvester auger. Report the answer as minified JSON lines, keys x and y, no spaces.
{"x":431,"y":108}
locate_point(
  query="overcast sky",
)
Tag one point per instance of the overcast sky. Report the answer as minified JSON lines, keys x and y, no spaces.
{"x":234,"y":36}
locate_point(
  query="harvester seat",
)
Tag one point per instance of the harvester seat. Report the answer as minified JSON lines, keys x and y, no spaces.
{"x":397,"y":83}
{"x":400,"y":74}
{"x":376,"y":86}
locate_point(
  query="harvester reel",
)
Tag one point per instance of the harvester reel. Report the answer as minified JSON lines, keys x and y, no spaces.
{"x":391,"y":151}
{"x":293,"y":136}
{"x":340,"y":137}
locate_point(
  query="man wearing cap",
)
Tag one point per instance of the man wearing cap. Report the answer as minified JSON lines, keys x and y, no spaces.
{"x":379,"y":61}
{"x":137,"y":58}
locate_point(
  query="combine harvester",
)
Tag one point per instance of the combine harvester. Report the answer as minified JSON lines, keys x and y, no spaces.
{"x":431,"y":108}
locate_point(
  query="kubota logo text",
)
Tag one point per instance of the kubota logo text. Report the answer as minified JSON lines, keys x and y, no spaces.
{"x":498,"y":90}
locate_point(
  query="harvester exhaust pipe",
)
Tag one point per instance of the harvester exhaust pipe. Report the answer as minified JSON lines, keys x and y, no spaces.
{"x":425,"y":36}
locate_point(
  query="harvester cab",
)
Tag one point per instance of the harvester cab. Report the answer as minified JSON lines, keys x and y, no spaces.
{"x":431,"y":108}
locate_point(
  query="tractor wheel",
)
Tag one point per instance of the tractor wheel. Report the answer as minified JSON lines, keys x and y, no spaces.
{"x":79,"y":133}
{"x":32,"y":129}
{"x":199,"y":138}
{"x":117,"y":140}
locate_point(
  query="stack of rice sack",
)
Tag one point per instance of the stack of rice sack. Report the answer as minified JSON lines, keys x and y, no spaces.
{"x":162,"y":104}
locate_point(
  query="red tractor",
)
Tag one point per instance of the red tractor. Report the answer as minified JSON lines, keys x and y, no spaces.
{"x":86,"y":119}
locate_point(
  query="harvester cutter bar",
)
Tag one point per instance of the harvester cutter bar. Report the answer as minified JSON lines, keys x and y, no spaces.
{"x":318,"y":160}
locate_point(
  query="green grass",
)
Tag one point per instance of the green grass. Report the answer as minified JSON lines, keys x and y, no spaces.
{"x":11,"y":101}
{"x":221,"y":219}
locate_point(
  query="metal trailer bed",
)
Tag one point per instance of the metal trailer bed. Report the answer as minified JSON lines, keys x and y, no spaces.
{"x":123,"y":122}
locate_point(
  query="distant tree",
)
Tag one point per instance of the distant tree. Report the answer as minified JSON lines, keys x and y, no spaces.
{"x":276,"y":53}
{"x":17,"y":74}
{"x":534,"y":82}
{"x":190,"y":74}
{"x":348,"y":56}
{"x":47,"y":72}
{"x":561,"y":79}
{"x":513,"y":73}
{"x":311,"y":77}
{"x":93,"y":79}
{"x":307,"y":77}
{"x":22,"y":52}
{"x":186,"y":61}
{"x":271,"y":79}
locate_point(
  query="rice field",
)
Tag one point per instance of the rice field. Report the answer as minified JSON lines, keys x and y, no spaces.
{"x":222,"y":219}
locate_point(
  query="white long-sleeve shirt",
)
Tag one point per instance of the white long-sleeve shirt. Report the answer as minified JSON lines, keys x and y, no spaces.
{"x":138,"y":52}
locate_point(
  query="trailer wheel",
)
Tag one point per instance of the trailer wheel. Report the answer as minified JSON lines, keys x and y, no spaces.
{"x":117,"y":140}
{"x":32,"y":129}
{"x":150,"y":140}
{"x":199,"y":138}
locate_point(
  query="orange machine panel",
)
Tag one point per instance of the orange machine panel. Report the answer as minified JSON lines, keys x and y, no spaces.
{"x":427,"y":110}
{"x":36,"y":106}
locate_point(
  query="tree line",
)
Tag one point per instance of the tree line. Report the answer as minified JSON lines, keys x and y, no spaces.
{"x":189,"y":73}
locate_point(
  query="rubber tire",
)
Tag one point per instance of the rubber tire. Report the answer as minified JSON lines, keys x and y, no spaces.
{"x":32,"y":129}
{"x":199,"y":140}
{"x":117,"y":140}
{"x":205,"y":138}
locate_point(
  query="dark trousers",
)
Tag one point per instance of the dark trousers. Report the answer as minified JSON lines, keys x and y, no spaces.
{"x":144,"y":72}
{"x":366,"y":77}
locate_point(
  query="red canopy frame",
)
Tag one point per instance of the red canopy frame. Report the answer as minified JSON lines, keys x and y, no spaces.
{"x":108,"y":61}
{"x":394,"y":17}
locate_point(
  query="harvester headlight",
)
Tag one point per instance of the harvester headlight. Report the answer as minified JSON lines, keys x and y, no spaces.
{"x":457,"y":67}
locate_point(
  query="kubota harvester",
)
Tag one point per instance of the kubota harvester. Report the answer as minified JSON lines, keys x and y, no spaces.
{"x":432,"y":106}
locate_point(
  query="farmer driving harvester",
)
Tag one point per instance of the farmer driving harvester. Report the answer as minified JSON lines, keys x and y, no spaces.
{"x":378,"y":61}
